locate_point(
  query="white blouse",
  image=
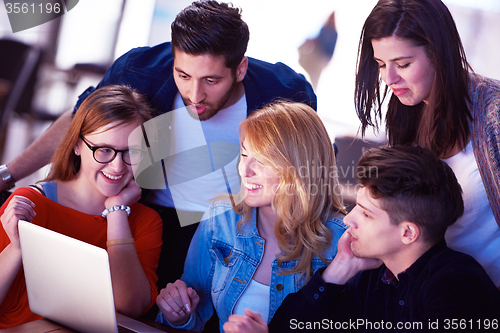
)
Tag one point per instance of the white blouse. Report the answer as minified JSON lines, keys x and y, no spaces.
{"x":256,"y":298}
{"x":476,"y":232}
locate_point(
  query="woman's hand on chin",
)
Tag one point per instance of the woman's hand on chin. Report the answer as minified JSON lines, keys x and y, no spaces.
{"x":129,"y":195}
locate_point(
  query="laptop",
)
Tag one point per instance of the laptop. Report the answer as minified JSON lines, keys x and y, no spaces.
{"x":69,"y":282}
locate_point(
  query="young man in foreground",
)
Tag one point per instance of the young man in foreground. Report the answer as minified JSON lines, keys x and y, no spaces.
{"x":393,"y":270}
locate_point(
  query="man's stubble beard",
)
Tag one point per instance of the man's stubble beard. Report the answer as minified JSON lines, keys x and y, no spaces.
{"x":210,"y":112}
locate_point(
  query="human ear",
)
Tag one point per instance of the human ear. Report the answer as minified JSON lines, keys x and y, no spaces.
{"x":77,"y":147}
{"x":410,"y":232}
{"x":241,"y":70}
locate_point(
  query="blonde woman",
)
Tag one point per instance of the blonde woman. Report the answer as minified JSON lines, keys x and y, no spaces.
{"x":248,"y":254}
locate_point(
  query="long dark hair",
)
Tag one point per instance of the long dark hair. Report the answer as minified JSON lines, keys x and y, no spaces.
{"x":445,"y":120}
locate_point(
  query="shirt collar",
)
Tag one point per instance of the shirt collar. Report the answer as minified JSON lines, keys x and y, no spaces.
{"x":249,"y":228}
{"x":416,"y":268}
{"x":388,"y":277}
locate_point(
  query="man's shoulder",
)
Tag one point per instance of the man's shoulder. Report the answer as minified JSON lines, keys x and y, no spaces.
{"x":150,"y":60}
{"x":147,"y":69}
{"x":451,"y":258}
{"x":260,"y":69}
{"x":458,"y":279}
{"x":267,"y":82}
{"x":451,"y":265}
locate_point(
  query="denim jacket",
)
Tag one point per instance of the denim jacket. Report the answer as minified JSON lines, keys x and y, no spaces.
{"x":221,"y":261}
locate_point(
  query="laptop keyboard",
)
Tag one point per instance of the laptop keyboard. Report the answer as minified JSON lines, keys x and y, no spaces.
{"x":122,"y":329}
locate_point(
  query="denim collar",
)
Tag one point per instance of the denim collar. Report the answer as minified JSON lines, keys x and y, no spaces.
{"x":249,"y":228}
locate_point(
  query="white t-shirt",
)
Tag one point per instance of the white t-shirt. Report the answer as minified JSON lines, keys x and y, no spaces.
{"x":476,"y":231}
{"x":256,"y":298}
{"x":203,"y":157}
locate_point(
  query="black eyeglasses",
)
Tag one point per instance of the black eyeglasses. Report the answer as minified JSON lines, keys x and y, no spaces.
{"x":107,"y":154}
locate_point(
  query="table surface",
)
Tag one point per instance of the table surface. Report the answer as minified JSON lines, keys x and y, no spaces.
{"x":47,"y":326}
{"x":37,"y":326}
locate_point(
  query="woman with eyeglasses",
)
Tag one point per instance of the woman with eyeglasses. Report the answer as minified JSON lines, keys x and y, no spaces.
{"x":90,"y":195}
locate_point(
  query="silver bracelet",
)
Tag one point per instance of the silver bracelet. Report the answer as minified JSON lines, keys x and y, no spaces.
{"x":115,"y":208}
{"x":7,"y":177}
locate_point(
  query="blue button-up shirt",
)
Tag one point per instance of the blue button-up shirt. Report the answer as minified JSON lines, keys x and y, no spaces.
{"x":150,"y":70}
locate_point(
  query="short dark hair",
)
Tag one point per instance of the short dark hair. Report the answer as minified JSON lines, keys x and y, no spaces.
{"x":413,"y":185}
{"x":442,"y":122}
{"x":210,"y":27}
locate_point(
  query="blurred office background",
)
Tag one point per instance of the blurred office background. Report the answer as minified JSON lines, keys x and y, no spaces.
{"x":79,"y":45}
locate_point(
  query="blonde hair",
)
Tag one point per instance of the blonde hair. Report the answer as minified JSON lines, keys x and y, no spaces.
{"x":291,"y":138}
